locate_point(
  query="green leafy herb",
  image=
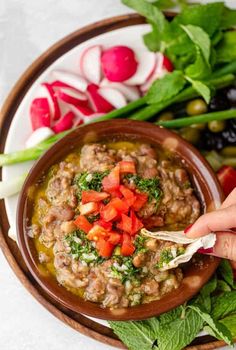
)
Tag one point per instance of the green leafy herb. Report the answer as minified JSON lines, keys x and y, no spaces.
{"x":226,"y":49}
{"x":230,"y":323}
{"x":222,"y":286}
{"x":137,"y":335}
{"x":89,"y":181}
{"x":82,"y":249}
{"x":201,"y":88}
{"x":223,"y":304}
{"x":167,"y":87}
{"x":92,"y":218}
{"x":140,"y":244}
{"x":149,"y":186}
{"x":228,"y":19}
{"x":226,"y":272}
{"x":204,"y":297}
{"x":213,"y":327}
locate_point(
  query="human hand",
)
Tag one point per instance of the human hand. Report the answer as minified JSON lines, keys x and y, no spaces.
{"x":220,"y":221}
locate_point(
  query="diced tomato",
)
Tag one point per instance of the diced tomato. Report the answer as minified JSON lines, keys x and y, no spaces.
{"x":128,"y":194}
{"x":105,"y":248}
{"x":111,"y":182}
{"x":227,"y":178}
{"x":104,"y":224}
{"x":125,"y":224}
{"x":93,"y":196}
{"x":114,"y":238}
{"x":96,"y":232}
{"x":83,"y":224}
{"x":127,"y":167}
{"x":88,"y":208}
{"x":141,"y":199}
{"x":116,"y":194}
{"x":120,"y":205}
{"x":136,"y":223}
{"x":127,"y":247}
{"x":108,"y":213}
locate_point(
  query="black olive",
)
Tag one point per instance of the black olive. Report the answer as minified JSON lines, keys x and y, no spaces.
{"x":211,"y":141}
{"x":231,"y":95}
{"x":232,"y":124}
{"x":219,"y":102}
{"x":229,"y":136}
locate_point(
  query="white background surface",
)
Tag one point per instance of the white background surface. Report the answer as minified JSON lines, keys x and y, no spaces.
{"x":27,"y":28}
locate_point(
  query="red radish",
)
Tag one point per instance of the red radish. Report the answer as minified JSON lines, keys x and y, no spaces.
{"x":65,"y":123}
{"x":84,"y":114}
{"x":163,"y":66}
{"x":113,"y":96}
{"x":99,"y":104}
{"x":47,"y":91}
{"x":71,"y":96}
{"x":73,"y":80}
{"x":119,"y":63}
{"x":59,"y":84}
{"x":38,"y":136}
{"x":40,"y":113}
{"x":131,"y":93}
{"x":147,"y":62}
{"x":90,"y":64}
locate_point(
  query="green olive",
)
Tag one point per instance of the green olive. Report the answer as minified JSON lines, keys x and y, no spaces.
{"x":199,"y":126}
{"x":217,"y":125}
{"x":190,"y":134}
{"x":166,"y":116}
{"x":196,"y":107}
{"x":229,"y":151}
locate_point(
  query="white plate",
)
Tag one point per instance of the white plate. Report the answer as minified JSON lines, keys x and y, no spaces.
{"x":20,"y":128}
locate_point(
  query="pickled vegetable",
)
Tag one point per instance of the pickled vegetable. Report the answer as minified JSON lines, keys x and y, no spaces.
{"x":190,"y":134}
{"x":196,"y":107}
{"x":166,"y":116}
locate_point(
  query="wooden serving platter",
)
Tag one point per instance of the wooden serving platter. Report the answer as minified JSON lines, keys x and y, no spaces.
{"x":10,"y":249}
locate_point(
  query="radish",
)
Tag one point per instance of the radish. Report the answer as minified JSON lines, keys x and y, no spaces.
{"x":40,"y":113}
{"x":48,"y":92}
{"x":90,"y":64}
{"x":71,"y":96}
{"x":99,"y":104}
{"x":59,"y":84}
{"x":119,"y":63}
{"x":84,"y":114}
{"x":73,"y":80}
{"x":114,"y":96}
{"x":38,"y":136}
{"x":162,"y":62}
{"x":65,"y":123}
{"x":131,"y":93}
{"x":147,"y":62}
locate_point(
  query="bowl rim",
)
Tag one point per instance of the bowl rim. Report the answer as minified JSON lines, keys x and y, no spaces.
{"x":67,"y":299}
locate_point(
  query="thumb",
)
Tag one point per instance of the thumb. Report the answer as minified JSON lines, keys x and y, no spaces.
{"x":225,"y":246}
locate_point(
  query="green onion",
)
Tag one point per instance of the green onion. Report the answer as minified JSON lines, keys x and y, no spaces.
{"x":11,"y":187}
{"x":202,"y":118}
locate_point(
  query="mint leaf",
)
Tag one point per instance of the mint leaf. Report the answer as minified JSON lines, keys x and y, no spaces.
{"x":230,"y":323}
{"x":208,"y":16}
{"x":200,"y":38}
{"x":214,"y":327}
{"x":204,"y":297}
{"x":226,"y":49}
{"x":137,"y":335}
{"x":223,"y":305}
{"x":222,"y":286}
{"x":178,"y":333}
{"x":155,"y":17}
{"x":167,"y":87}
{"x":228,"y":18}
{"x":200,"y":69}
{"x":226,"y":271}
{"x":201,"y":88}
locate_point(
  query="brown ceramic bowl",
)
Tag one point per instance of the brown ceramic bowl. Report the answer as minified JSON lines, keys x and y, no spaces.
{"x":206,"y":186}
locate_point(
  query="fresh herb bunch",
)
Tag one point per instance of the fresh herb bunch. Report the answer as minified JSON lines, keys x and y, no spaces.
{"x":89,"y":181}
{"x":212,"y":310}
{"x":150,"y":186}
{"x":82,"y":249}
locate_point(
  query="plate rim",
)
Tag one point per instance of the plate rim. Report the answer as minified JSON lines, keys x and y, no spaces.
{"x":9,"y":107}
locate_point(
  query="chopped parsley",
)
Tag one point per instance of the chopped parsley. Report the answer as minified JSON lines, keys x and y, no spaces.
{"x":89,"y":181}
{"x":92,"y":218}
{"x":149,"y":186}
{"x":167,"y":255}
{"x":140,"y":244}
{"x":124,"y":269}
{"x":82,"y":249}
